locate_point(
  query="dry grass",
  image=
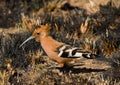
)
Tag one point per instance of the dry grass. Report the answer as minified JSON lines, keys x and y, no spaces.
{"x":98,"y":33}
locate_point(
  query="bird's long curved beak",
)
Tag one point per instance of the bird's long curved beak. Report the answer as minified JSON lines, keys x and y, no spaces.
{"x":31,"y":37}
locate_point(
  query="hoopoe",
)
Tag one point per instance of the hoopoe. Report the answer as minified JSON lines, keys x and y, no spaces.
{"x":59,"y":52}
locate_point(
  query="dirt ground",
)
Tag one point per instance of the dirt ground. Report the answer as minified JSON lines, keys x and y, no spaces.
{"x":93,"y":26}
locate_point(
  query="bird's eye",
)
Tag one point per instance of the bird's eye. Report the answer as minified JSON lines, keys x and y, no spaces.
{"x":38,"y":33}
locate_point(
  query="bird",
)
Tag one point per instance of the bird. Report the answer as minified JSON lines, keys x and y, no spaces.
{"x":59,"y":52}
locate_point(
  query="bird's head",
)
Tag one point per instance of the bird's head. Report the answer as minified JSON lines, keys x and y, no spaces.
{"x":39,"y":33}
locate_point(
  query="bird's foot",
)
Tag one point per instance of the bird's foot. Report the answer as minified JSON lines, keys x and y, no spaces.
{"x":78,"y":64}
{"x":53,"y":67}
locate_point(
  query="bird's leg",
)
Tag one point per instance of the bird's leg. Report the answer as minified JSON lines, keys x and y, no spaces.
{"x":74,"y":63}
{"x":53,"y":66}
{"x":78,"y":64}
{"x":63,"y":68}
{"x":56,"y":66}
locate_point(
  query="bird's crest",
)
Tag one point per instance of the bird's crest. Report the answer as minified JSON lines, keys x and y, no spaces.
{"x":46,"y":27}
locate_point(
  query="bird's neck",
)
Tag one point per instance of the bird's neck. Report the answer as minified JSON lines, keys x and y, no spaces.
{"x":49,"y":44}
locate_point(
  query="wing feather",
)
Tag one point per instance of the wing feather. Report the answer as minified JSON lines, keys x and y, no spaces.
{"x":67,"y":51}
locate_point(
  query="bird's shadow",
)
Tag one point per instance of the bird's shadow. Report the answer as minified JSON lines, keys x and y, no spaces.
{"x":79,"y":70}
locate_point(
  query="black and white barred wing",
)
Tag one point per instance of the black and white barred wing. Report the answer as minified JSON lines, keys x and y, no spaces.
{"x":67,"y":51}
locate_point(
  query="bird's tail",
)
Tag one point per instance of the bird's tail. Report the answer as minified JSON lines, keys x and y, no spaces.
{"x":87,"y":55}
{"x":79,"y":53}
